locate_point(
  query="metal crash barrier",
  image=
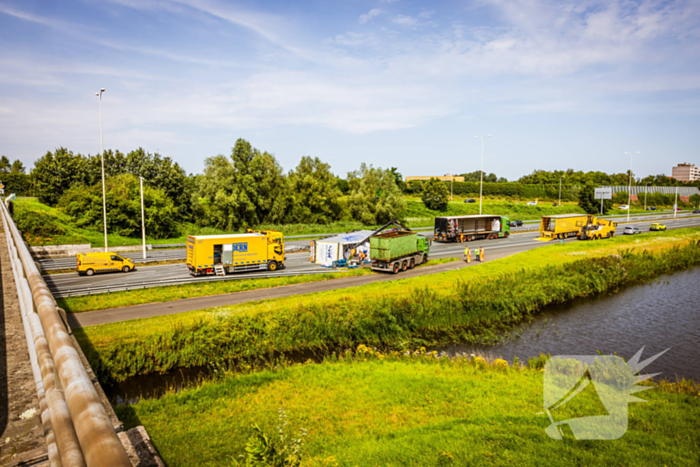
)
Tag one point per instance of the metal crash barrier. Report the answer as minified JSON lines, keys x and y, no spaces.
{"x":76,"y":426}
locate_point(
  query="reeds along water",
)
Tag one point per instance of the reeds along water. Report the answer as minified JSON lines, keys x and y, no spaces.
{"x":467,"y":312}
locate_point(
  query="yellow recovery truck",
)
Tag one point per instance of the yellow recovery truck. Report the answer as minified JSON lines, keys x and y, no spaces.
{"x":250,"y":251}
{"x":582,"y":226}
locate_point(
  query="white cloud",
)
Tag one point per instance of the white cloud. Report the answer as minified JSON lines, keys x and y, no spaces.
{"x":363,"y":19}
{"x":405,"y":20}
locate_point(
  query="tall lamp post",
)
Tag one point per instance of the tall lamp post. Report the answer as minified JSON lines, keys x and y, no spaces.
{"x":481,"y":185}
{"x":143,"y":221}
{"x":629,"y":189}
{"x":102,"y":151}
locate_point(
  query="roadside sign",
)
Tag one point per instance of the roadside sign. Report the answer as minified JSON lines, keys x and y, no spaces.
{"x":603,"y":193}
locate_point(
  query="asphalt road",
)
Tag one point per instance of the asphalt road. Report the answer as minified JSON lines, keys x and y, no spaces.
{"x":494,"y":249}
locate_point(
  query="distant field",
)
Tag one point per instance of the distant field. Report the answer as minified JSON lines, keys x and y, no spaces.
{"x":417,"y":215}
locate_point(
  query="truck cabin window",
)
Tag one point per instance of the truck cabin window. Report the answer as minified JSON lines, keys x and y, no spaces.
{"x":116,"y":258}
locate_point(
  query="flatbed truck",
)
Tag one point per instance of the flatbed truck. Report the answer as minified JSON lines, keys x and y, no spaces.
{"x":470,"y":228}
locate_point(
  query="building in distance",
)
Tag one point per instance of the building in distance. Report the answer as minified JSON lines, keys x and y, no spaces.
{"x":444,"y":178}
{"x":686,"y":172}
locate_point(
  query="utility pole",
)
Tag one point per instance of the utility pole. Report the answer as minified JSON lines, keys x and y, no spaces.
{"x":675,"y":203}
{"x":143,"y":221}
{"x":481,"y":185}
{"x":560,"y":177}
{"x":102,"y":152}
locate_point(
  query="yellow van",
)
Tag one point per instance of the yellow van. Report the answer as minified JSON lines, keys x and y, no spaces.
{"x":90,"y":263}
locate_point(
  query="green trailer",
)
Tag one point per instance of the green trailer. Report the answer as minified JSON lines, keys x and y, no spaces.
{"x":398,"y":250}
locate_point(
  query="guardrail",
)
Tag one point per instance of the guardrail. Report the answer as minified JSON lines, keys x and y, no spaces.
{"x":77,"y":429}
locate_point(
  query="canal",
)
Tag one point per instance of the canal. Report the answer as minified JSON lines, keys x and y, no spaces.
{"x":664,"y":314}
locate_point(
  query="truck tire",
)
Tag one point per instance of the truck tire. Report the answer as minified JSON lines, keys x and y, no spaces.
{"x":272,"y":266}
{"x":89,"y":272}
{"x":395,"y":268}
{"x":412,"y":264}
{"x":126,"y":269}
{"x":404,"y":265}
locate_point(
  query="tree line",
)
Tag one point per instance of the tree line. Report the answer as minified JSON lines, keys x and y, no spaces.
{"x":245,"y":189}
{"x":249,"y":188}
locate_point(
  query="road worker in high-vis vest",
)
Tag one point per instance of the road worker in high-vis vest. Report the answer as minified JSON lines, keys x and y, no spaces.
{"x":482,"y":254}
{"x":467,"y":255}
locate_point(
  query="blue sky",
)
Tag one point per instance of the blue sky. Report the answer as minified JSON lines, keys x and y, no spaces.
{"x":400,"y":83}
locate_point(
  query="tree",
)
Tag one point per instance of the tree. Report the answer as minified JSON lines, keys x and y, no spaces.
{"x":313,"y":194}
{"x":435,"y":195}
{"x":476,"y":177}
{"x":587,"y":201}
{"x":84,"y":205}
{"x":246,"y":189}
{"x":17,"y":167}
{"x":375,"y":198}
{"x":4,"y":164}
{"x":55,"y":173}
{"x":695,"y":200}
{"x":399,"y":179}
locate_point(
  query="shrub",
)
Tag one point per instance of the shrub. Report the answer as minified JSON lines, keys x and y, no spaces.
{"x":38,"y":223}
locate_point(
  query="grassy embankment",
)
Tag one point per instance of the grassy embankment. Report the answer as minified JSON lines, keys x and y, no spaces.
{"x":378,"y":410}
{"x":477,"y":304}
{"x":202,"y":289}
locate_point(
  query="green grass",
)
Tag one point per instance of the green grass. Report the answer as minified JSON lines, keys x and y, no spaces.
{"x":477,"y":304}
{"x":202,"y":289}
{"x":407,"y":411}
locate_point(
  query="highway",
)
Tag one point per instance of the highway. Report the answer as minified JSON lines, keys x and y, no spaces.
{"x":294,"y":243}
{"x":70,"y":284}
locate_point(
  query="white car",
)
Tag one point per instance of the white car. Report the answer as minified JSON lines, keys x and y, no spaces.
{"x":531,"y":203}
{"x":624,"y":207}
{"x":631,"y":230}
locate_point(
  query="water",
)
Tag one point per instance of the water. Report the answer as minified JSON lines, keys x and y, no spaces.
{"x":155,"y":386}
{"x":660,"y":315}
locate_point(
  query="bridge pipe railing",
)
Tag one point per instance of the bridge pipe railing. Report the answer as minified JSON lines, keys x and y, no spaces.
{"x":83,"y":432}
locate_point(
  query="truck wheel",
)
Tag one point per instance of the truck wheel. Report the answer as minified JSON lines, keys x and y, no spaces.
{"x":404,"y":265}
{"x":125,"y":269}
{"x":425,"y":259}
{"x":396,"y":268}
{"x":272,"y":266}
{"x":506,"y":234}
{"x":412,"y":264}
{"x":89,"y":272}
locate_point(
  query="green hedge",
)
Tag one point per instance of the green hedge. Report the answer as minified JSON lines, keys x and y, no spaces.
{"x":510,"y":189}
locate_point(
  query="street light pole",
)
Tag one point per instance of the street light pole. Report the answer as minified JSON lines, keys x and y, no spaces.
{"x":102,"y":152}
{"x":629,"y":189}
{"x":143,"y":221}
{"x":481,"y":185}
